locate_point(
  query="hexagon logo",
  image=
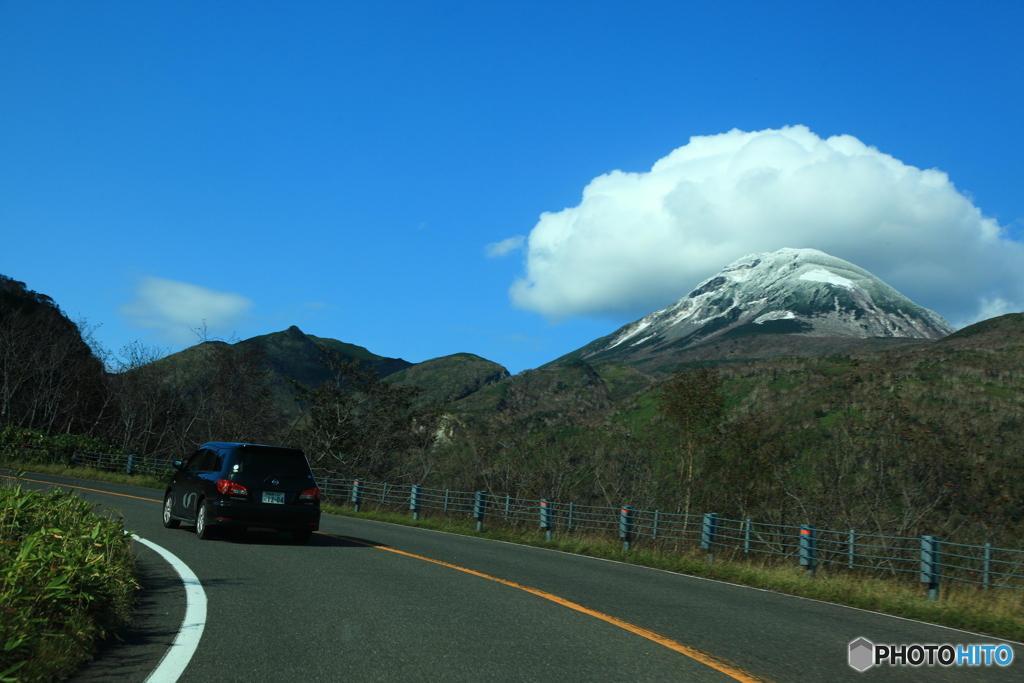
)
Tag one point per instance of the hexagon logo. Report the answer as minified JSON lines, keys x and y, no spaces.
{"x":862,"y":654}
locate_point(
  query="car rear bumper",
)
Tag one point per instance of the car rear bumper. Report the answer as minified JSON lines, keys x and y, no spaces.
{"x":283,"y":517}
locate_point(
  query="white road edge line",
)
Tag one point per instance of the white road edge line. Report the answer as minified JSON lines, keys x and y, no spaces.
{"x":179,"y":654}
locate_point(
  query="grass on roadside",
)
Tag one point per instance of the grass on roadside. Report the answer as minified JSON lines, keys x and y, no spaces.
{"x":997,"y":612}
{"x":147,"y":480}
{"x":67,"y":579}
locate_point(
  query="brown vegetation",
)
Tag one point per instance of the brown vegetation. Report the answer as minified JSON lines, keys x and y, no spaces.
{"x":921,"y":439}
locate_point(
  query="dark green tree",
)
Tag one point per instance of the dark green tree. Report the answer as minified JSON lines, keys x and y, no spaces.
{"x":356,"y":424}
{"x":693,"y":404}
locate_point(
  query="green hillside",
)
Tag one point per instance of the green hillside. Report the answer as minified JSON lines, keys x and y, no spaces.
{"x":920,"y":439}
{"x":450,"y":378}
{"x":289,"y":354}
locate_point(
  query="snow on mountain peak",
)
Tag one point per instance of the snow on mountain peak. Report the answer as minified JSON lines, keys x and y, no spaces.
{"x":789,"y":291}
{"x":822,"y":275}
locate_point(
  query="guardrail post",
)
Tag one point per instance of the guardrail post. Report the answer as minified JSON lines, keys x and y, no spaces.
{"x":746,"y":537}
{"x":654,"y":531}
{"x":545,"y":517}
{"x":808,"y":549}
{"x":447,"y":494}
{"x":384,"y":494}
{"x":414,"y":501}
{"x":568,"y":525}
{"x":851,"y":550}
{"x":930,"y":566}
{"x":357,"y":494}
{"x":626,"y":526}
{"x":130,"y":467}
{"x":479,"y":505}
{"x":987,"y":576}
{"x":99,"y":461}
{"x":508,"y":505}
{"x":74,"y":459}
{"x":708,"y":532}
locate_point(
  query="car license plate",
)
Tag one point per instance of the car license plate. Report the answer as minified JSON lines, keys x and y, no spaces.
{"x":273,"y":497}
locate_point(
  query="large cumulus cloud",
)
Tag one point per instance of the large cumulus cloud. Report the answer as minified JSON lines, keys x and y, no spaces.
{"x":638,"y":241}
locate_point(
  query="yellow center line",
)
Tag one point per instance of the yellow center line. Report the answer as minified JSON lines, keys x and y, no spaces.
{"x":82,"y":488}
{"x":722,"y":665}
{"x":716,"y":663}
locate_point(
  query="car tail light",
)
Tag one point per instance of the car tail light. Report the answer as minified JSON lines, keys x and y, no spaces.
{"x":310,"y":494}
{"x":231,"y":488}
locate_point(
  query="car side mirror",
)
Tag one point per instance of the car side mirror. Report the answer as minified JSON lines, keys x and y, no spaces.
{"x":178,"y":464}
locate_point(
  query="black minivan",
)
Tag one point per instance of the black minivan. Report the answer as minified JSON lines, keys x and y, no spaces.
{"x":239,"y":485}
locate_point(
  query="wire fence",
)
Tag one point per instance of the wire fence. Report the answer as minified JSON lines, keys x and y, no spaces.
{"x":108,"y":462}
{"x":926,"y":556}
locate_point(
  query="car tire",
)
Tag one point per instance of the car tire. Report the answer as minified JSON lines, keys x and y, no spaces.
{"x":301,"y":536}
{"x":169,"y":522}
{"x":204,"y":531}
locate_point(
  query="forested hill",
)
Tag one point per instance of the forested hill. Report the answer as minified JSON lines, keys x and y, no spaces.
{"x":49,"y":378}
{"x":281,"y":359}
{"x":922,"y":439}
{"x":292,"y":356}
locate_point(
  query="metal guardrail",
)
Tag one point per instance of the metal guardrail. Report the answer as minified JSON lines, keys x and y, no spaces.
{"x":927,"y":556}
{"x":109,"y":462}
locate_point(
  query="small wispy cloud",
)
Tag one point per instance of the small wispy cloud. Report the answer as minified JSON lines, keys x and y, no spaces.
{"x":499,"y":249}
{"x":991,"y":308}
{"x":318,"y":306}
{"x":522,"y":340}
{"x":172,"y":310}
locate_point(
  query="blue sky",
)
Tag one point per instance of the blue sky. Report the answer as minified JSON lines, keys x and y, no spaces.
{"x":430,"y":178}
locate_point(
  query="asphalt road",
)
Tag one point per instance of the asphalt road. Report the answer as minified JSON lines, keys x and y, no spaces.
{"x":368,"y":601}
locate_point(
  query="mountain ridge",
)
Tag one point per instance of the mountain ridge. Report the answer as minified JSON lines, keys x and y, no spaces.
{"x":787,"y":302}
{"x":291,"y":354}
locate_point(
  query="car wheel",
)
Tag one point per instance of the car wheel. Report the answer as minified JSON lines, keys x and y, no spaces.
{"x":203,"y":530}
{"x":169,"y":522}
{"x":301,"y":536}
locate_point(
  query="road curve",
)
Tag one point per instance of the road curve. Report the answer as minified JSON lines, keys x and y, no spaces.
{"x":368,"y":601}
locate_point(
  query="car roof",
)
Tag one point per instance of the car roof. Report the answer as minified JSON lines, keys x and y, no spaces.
{"x":238,"y":444}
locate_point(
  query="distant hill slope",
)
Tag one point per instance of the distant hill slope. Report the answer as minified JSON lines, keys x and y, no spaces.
{"x":450,"y":378}
{"x":598,"y":388}
{"x":789,"y":302}
{"x":575,"y":389}
{"x":293,"y":354}
{"x":948,"y":414}
{"x":968,"y":371}
{"x":288,"y":354}
{"x":994,"y":333}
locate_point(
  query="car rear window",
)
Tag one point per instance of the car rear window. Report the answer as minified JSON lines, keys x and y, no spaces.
{"x":266,"y":462}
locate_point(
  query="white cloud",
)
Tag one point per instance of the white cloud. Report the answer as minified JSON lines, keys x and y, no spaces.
{"x":991,"y":308}
{"x":639,"y":241}
{"x":173,"y":309}
{"x":498,"y":249}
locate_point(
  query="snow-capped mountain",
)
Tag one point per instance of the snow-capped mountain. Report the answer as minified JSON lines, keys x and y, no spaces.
{"x":802,"y":292}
